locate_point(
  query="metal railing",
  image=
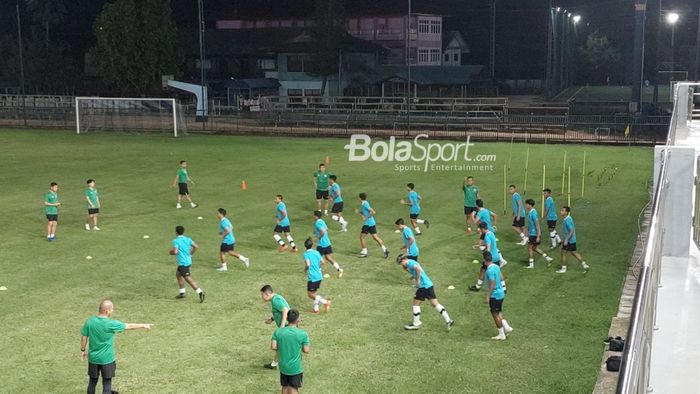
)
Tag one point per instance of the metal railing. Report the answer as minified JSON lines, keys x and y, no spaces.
{"x":636,"y":358}
{"x":696,"y":212}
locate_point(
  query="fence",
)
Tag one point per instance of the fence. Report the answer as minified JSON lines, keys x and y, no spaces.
{"x":482,"y":119}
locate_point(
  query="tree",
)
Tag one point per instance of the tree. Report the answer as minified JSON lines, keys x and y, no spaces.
{"x":328,"y":33}
{"x":136,"y":44}
{"x":601,"y":60}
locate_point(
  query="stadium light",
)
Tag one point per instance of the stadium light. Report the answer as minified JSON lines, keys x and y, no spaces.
{"x":558,"y":9}
{"x":577,"y":18}
{"x":672,"y":18}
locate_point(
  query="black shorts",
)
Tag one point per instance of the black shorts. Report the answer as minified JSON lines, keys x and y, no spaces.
{"x":313,"y":286}
{"x":92,"y":211}
{"x":532,"y":240}
{"x":52,"y":218}
{"x":322,"y":194}
{"x":337,"y":207}
{"x":368,"y":230}
{"x":496,"y":305}
{"x":414,"y":258}
{"x":107,"y":371}
{"x":551,"y":224}
{"x":469,"y":210}
{"x":422,"y":294}
{"x":324,"y":250}
{"x":519,"y":223}
{"x":182,"y":187}
{"x":227,"y":247}
{"x":413,"y":215}
{"x":291,"y":380}
{"x":183,"y":271}
{"x":570,"y":247}
{"x":281,"y":229}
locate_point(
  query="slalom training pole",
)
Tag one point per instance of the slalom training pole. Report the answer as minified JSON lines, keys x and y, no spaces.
{"x":544,"y":172}
{"x":504,"y":189}
{"x":583,"y":175}
{"x":569,"y":194}
{"x":527,"y":160}
{"x":563,"y":174}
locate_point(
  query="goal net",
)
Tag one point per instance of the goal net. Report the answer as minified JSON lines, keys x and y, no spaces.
{"x":129,"y":115}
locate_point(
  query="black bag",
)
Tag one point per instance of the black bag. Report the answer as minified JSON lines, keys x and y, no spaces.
{"x":617,"y":344}
{"x":613,"y":363}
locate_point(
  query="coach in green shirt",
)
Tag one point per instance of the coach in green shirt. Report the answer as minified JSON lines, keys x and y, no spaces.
{"x":98,"y":331}
{"x":290,"y":342}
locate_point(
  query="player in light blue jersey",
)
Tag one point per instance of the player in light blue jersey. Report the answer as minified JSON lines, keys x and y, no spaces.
{"x":324,"y":242}
{"x":485,"y":215}
{"x":337,"y":208}
{"x":228,"y":241}
{"x":488,"y":243}
{"x":409,"y":241}
{"x":535,"y":232}
{"x":495,"y":297}
{"x":314,"y":276}
{"x":283,"y":225}
{"x":425,"y":290}
{"x":550,"y":214}
{"x":569,"y":241}
{"x":184,"y":247}
{"x":518,"y":214}
{"x":413,"y":203}
{"x":369,"y":226}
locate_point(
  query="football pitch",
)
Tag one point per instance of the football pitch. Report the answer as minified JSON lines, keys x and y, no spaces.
{"x":219,"y":346}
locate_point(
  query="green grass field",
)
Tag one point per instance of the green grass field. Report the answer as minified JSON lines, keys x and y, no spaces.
{"x":359,"y":346}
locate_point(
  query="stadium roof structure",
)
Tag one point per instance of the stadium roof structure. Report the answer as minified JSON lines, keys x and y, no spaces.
{"x":252,"y":83}
{"x":228,"y":42}
{"x":427,"y":75}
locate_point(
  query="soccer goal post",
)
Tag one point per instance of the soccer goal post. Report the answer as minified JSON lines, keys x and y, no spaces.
{"x":128,"y":114}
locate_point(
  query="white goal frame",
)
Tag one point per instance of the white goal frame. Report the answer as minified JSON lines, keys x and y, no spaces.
{"x":84,"y":98}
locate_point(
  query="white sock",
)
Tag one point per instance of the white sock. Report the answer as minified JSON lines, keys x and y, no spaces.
{"x":325,"y":212}
{"x":523,"y":236}
{"x":443,"y":312}
{"x":420,"y":221}
{"x":531,"y":261}
{"x":192,"y":204}
{"x":553,"y":238}
{"x":242,"y":258}
{"x":505,"y":324}
{"x":558,"y":239}
{"x":342,"y":221}
{"x":182,"y":291}
{"x":363,"y":251}
{"x":291,"y":241}
{"x":416,"y":315}
{"x":383,"y":248}
{"x":479,"y":282}
{"x":503,"y":260}
{"x":482,"y":248}
{"x":278,"y":239}
{"x":335,"y":217}
{"x":503,"y":284}
{"x":544,"y":255}
{"x":274,"y":363}
{"x":199,"y":290}
{"x":321,"y":300}
{"x":336,"y":266}
{"x":223,"y":265}
{"x":417,"y":230}
{"x":501,"y":332}
{"x":315,"y":303}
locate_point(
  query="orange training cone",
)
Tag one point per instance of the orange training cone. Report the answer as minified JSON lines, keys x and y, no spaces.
{"x":328,"y":160}
{"x":243,"y":186}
